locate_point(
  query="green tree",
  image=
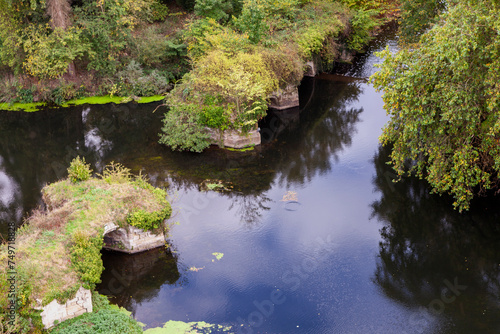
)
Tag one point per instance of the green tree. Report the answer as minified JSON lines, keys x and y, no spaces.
{"x":443,"y":96}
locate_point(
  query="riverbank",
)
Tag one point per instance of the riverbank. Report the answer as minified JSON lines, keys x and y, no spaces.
{"x":168,"y":40}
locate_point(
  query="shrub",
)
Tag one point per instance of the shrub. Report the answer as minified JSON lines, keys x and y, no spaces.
{"x":214,"y":9}
{"x":213,"y":113}
{"x":152,"y":48}
{"x":85,"y":255}
{"x":25,"y":95}
{"x":78,"y":170}
{"x":362,"y":24}
{"x":182,"y":129}
{"x":159,"y":12}
{"x":148,"y":220}
{"x":285,"y":63}
{"x":135,"y":81}
{"x":311,"y":40}
{"x":205,"y":35}
{"x":116,"y":173}
{"x":243,"y":83}
{"x":251,"y":21}
{"x":108,"y":320}
{"x":49,"y":54}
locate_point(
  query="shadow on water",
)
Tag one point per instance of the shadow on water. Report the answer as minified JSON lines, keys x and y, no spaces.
{"x":443,"y":264}
{"x":131,"y":279}
{"x":36,"y":149}
{"x":315,"y":148}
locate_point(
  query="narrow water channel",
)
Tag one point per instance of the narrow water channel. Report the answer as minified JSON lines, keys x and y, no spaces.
{"x":314,"y":237}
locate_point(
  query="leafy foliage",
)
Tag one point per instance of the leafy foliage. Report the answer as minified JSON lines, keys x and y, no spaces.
{"x":182,"y":129}
{"x":85,"y":255}
{"x":214,"y":9}
{"x":205,"y":35}
{"x":251,"y":21}
{"x":150,"y":220}
{"x":443,"y":97}
{"x":78,"y":170}
{"x":133,"y":81}
{"x":243,"y":82}
{"x":50,"y":53}
{"x":108,"y":320}
{"x":362,"y":24}
{"x":417,"y":16}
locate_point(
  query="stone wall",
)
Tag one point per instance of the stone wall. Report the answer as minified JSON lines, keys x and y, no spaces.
{"x":310,"y":69}
{"x":131,"y":239}
{"x":53,"y":311}
{"x":235,"y":139}
{"x":285,"y":98}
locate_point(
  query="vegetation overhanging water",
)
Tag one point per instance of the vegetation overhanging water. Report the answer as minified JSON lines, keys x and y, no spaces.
{"x":313,"y":225}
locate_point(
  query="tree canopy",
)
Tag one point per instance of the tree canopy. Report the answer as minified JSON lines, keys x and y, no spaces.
{"x":443,"y":96}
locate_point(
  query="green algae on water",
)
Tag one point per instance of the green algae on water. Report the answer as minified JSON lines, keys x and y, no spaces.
{"x":35,"y":106}
{"x":180,"y":327}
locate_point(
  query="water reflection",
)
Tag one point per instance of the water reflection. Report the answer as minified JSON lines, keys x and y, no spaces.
{"x":433,"y":257}
{"x":132,"y":279}
{"x":36,"y":148}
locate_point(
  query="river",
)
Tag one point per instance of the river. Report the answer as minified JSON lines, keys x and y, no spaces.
{"x":314,"y":236}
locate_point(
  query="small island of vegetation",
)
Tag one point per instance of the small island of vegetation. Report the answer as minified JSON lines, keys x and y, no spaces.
{"x":58,"y":249}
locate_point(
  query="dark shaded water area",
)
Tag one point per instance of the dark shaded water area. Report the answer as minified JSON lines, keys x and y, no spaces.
{"x":315,"y":237}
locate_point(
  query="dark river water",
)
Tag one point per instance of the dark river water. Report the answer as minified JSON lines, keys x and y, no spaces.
{"x":314,"y":237}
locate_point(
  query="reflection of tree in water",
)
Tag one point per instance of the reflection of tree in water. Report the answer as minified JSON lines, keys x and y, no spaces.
{"x":426,"y":242}
{"x":36,"y":149}
{"x":250,"y":207}
{"x":326,"y":128}
{"x":132,"y":278}
{"x":30,"y":143}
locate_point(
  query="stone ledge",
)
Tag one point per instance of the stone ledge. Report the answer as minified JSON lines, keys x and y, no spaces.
{"x":131,"y":240}
{"x":53,"y":311}
{"x":235,"y":139}
{"x":285,"y":98}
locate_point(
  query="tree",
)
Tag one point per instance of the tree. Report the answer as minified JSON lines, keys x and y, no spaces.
{"x":443,"y":96}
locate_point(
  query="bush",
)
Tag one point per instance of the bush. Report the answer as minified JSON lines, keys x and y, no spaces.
{"x":135,"y":81}
{"x":251,"y":21}
{"x":285,"y":63}
{"x":242,"y":82}
{"x":85,"y":255}
{"x":213,"y":113}
{"x":311,"y":40}
{"x":148,"y":220}
{"x":49,"y":54}
{"x":78,"y":170}
{"x":205,"y":35}
{"x":109,"y":320}
{"x":362,"y":24}
{"x":116,"y":173}
{"x":25,"y":95}
{"x":152,"y":48}
{"x":214,"y":9}
{"x":159,"y":12}
{"x":182,"y":129}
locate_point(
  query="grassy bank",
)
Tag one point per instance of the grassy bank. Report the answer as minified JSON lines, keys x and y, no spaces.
{"x":57,"y":250}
